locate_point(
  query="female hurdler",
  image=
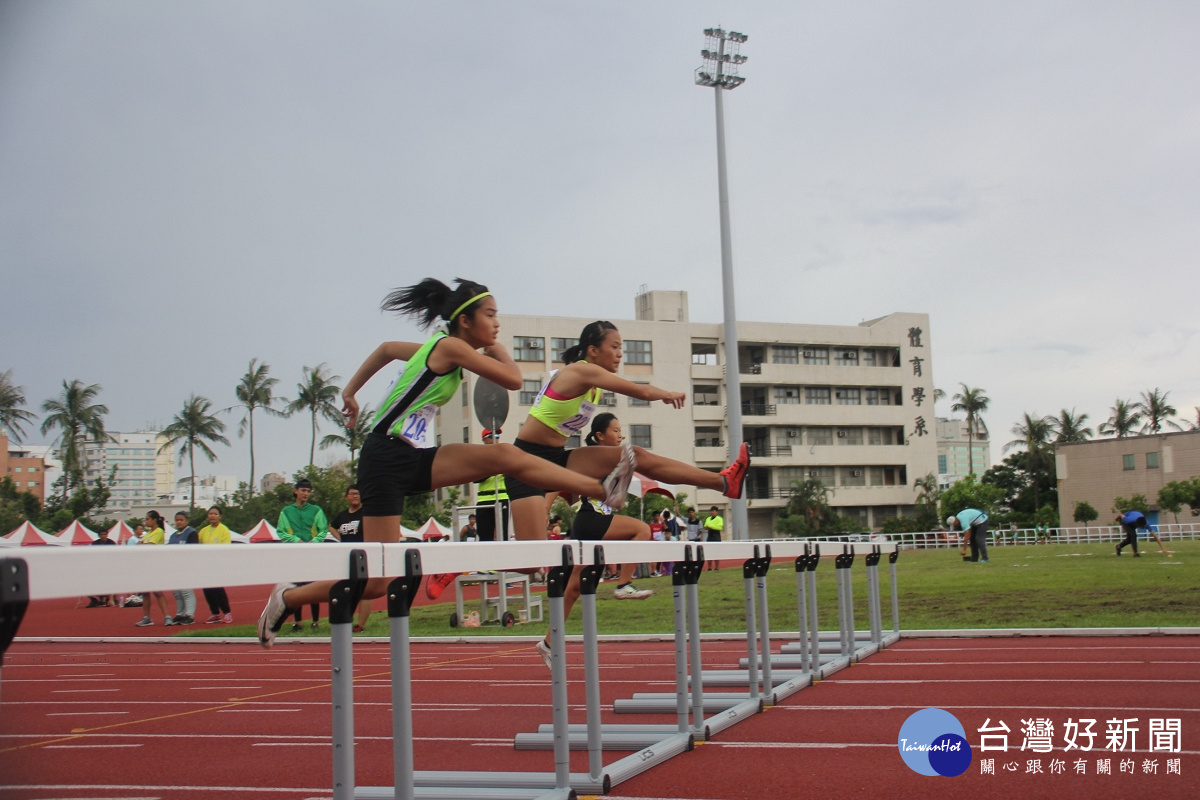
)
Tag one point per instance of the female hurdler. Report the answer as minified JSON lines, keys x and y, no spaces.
{"x":399,"y":457}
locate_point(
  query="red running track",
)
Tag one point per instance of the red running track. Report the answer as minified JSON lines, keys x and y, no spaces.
{"x":205,"y":720}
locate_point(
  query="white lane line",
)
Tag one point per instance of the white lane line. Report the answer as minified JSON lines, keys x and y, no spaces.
{"x":82,"y":691}
{"x":255,"y":710}
{"x":221,"y":688}
{"x":290,"y":744}
{"x":86,"y":675}
{"x":208,"y":672}
{"x":85,"y":746}
{"x":85,"y":713}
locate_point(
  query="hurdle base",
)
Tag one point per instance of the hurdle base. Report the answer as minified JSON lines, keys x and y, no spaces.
{"x":460,"y":793}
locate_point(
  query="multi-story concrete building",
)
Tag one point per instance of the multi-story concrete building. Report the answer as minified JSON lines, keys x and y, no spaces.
{"x":953,"y":445}
{"x":143,"y":474}
{"x":850,"y":405}
{"x":25,"y":465}
{"x":1100,"y":471}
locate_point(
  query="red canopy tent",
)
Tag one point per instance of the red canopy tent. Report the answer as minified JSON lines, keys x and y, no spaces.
{"x":27,"y":534}
{"x":642,"y":486}
{"x":120,"y":533}
{"x":76,"y":533}
{"x":262,"y":532}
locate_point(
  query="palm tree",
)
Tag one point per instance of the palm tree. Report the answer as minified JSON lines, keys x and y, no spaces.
{"x":1193,"y":426}
{"x":353,"y":436}
{"x":255,"y":391}
{"x":318,"y":396}
{"x":1122,"y":421}
{"x":972,"y":402}
{"x":1156,"y":408}
{"x":12,"y":416}
{"x":195,"y":427}
{"x":78,"y":419}
{"x":1034,"y":434}
{"x":1069,"y":428}
{"x":809,"y":500}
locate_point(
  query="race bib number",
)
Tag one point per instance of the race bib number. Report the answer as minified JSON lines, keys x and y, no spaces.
{"x":574,"y":425}
{"x":418,"y":427}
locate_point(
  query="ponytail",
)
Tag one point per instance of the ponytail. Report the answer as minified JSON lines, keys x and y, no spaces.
{"x":431,"y":300}
{"x":600,"y":424}
{"x":592,"y":336}
{"x":157,"y":517}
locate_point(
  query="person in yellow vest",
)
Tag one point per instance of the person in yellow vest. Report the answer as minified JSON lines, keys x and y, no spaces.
{"x":491,"y":491}
{"x":155,"y":534}
{"x":215,"y":532}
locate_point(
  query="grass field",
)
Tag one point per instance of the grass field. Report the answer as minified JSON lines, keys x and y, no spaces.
{"x":1042,"y":586}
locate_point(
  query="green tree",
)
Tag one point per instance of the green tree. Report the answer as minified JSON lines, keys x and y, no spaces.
{"x":1193,"y":425}
{"x":78,"y":419}
{"x":1070,"y":428}
{"x":972,"y":402}
{"x":351,"y":436}
{"x":256,"y":391}
{"x":13,"y":416}
{"x":1136,"y":503}
{"x":317,"y":395}
{"x":1175,"y":495}
{"x":929,"y":494}
{"x":194,"y":427}
{"x":1085,"y":512}
{"x":807,"y":512}
{"x":1034,"y":434}
{"x":1122,"y":420}
{"x":970,"y":493}
{"x":1156,"y":411}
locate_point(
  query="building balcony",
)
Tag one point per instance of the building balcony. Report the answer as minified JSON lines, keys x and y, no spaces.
{"x":708,"y":413}
{"x":758,"y":409}
{"x":710,"y":455}
{"x":708,"y":372}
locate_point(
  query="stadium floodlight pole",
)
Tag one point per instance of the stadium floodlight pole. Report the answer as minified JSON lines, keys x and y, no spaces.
{"x":721,"y":61}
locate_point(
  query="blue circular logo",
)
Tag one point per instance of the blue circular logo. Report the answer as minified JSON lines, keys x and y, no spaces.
{"x":933,"y":742}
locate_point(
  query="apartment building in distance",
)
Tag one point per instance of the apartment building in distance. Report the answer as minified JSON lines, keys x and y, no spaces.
{"x":851,"y":405}
{"x":26,"y":467}
{"x":143,"y":474}
{"x":953,"y":445}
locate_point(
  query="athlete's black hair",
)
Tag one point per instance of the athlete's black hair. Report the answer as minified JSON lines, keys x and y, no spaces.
{"x":431,"y":300}
{"x":157,"y":517}
{"x":600,"y":424}
{"x":592,"y":336}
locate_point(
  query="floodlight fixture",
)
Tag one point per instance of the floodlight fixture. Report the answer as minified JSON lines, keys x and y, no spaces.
{"x":721,"y":59}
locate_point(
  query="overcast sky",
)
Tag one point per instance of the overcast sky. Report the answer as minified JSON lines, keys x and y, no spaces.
{"x":187,"y":186}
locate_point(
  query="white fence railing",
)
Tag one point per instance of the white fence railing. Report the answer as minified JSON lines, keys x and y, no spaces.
{"x":931,"y":540}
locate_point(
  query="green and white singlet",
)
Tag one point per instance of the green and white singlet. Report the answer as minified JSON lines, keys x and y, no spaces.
{"x":413,"y":399}
{"x":568,"y":416}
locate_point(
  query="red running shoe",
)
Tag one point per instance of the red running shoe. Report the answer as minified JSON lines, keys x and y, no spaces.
{"x":438,"y":583}
{"x":735,"y":473}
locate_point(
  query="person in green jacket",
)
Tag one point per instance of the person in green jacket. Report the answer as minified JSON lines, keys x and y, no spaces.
{"x":303,"y":521}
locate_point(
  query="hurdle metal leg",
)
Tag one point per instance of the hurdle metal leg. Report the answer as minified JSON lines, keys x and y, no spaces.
{"x":343,"y":599}
{"x":14,"y":599}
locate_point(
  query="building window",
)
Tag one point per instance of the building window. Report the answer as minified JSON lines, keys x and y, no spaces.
{"x":849,"y":397}
{"x":822,"y":474}
{"x":572,"y":442}
{"x":529,"y":391}
{"x":638,"y":352}
{"x":785,"y":354}
{"x":850,"y":436}
{"x":942,"y":465}
{"x":787,"y":395}
{"x":868,"y":357}
{"x":529,"y":348}
{"x":706,"y":395}
{"x":464,"y":394}
{"x":559,"y":345}
{"x":639,"y":436}
{"x":1151,"y":460}
{"x":878,"y":397}
{"x":816,"y":355}
{"x":1127,"y":461}
{"x":816,"y":396}
{"x":844,"y":357}
{"x":704,"y":354}
{"x":819,"y":435}
{"x":608,"y":399}
{"x":636,"y":402}
{"x":466,"y":435}
{"x":853,"y":476}
{"x":708,"y":437}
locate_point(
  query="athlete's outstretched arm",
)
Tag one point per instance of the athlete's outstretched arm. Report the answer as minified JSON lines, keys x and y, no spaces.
{"x":494,"y":363}
{"x":383,"y":355}
{"x":593,"y":375}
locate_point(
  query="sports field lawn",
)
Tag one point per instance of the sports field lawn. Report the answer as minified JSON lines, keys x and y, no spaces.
{"x":1031,"y":586}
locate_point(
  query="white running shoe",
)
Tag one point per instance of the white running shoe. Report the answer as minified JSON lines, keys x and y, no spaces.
{"x":273,"y":615}
{"x":616,"y":485}
{"x":544,"y":651}
{"x":631,"y":592}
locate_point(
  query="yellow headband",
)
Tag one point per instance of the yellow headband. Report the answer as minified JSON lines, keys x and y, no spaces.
{"x":459,"y":310}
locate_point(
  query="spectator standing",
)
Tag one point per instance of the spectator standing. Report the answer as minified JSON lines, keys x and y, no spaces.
{"x":185,"y":599}
{"x":347,"y":527}
{"x":714,"y":524}
{"x":693,"y":526}
{"x":491,"y":495}
{"x":95,"y":601}
{"x":303,"y":521}
{"x":469,"y":532}
{"x":154,"y":534}
{"x":215,"y":532}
